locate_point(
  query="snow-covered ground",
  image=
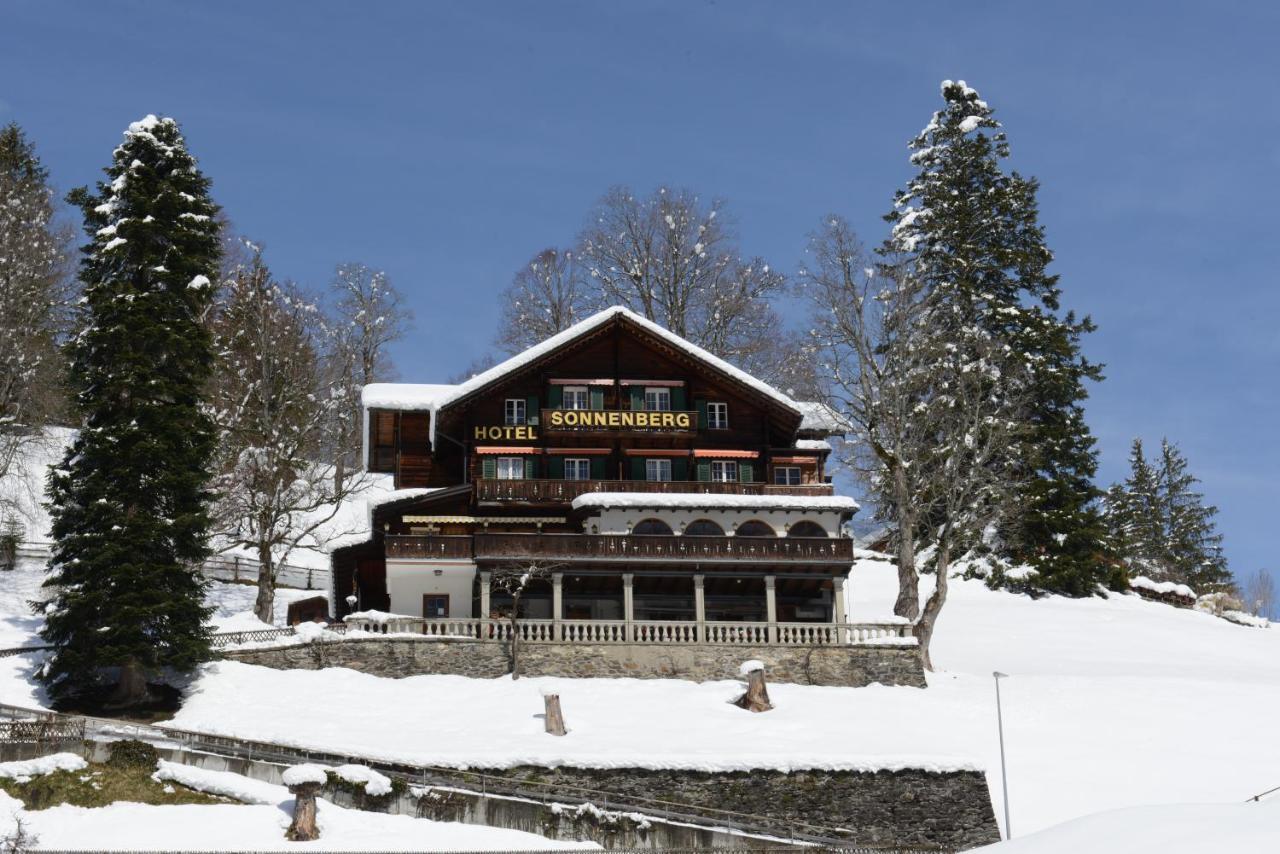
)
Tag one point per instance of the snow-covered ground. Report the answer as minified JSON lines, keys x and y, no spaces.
{"x":1109,"y":703}
{"x":258,"y":824}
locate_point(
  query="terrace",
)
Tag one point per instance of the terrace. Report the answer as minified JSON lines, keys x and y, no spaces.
{"x":604,"y":548}
{"x":547,"y":491}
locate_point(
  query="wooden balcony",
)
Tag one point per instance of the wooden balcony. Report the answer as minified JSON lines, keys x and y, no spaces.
{"x":535,"y":491}
{"x":605,"y":548}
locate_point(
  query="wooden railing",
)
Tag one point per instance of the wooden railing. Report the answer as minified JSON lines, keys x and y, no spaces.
{"x":542,"y":491}
{"x":429,"y":546}
{"x":657,"y":632}
{"x":610,"y":547}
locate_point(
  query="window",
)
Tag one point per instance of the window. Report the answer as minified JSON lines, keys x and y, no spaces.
{"x":510,"y":468}
{"x":575,"y":397}
{"x":651,"y":527}
{"x":717,"y":416}
{"x":657,"y":469}
{"x":515,"y":413}
{"x":577,"y":468}
{"x":435,"y":605}
{"x":703,"y":528}
{"x":805,"y":528}
{"x":724,"y":471}
{"x":786,"y":475}
{"x":755,"y":528}
{"x":657,"y":400}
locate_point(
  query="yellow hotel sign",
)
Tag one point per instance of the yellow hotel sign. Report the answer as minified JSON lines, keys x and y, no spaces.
{"x":555,"y":420}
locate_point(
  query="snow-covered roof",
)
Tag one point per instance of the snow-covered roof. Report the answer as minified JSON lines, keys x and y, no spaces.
{"x":1162,"y":587}
{"x":404,"y":395}
{"x":434,"y":398}
{"x":819,"y":417}
{"x":813,"y":445}
{"x":602,"y":500}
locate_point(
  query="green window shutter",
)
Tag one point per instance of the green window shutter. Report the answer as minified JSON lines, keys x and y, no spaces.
{"x":677,"y":398}
{"x":701,"y":404}
{"x":679,"y":468}
{"x":597,"y":467}
{"x":745,"y":472}
{"x":489,"y":468}
{"x":555,"y":468}
{"x":597,"y":397}
{"x":530,"y":468}
{"x":637,"y":468}
{"x":704,"y":472}
{"x":637,"y":398}
{"x":531,"y":410}
{"x":555,"y":397}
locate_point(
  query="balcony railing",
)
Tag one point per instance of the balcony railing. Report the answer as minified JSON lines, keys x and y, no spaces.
{"x":564,"y":491}
{"x":649,"y":632}
{"x":620,"y":547}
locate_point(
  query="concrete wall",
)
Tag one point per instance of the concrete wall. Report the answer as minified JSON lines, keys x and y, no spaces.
{"x":620,"y":520}
{"x":409,"y":580}
{"x":851,"y":666}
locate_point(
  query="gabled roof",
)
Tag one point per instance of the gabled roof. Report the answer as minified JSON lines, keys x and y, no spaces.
{"x":434,"y":398}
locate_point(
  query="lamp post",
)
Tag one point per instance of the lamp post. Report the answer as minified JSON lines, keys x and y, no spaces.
{"x":1004,"y":777}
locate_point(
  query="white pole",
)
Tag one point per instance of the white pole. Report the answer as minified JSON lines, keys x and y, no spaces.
{"x":1004,"y":777}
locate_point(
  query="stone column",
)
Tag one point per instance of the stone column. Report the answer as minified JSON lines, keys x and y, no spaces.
{"x":837,"y":606}
{"x":485,"y":582}
{"x":700,"y":607}
{"x":628,"y":606}
{"x":771,"y":606}
{"x":557,"y":603}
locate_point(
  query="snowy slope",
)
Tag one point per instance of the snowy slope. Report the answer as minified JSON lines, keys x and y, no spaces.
{"x":1110,"y":703}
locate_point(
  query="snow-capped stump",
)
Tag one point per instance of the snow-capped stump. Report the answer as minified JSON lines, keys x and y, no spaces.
{"x":757,"y":697}
{"x":554,"y":717}
{"x":304,"y":781}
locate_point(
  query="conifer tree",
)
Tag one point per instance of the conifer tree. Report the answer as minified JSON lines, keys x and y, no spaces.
{"x":130,"y":501}
{"x":1193,"y":547}
{"x":971,"y":230}
{"x":1135,"y":518}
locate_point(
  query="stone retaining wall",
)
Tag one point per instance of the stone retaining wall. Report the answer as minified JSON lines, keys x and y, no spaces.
{"x":850,"y":666}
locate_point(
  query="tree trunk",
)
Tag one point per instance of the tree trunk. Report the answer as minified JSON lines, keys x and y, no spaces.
{"x":264,"y":606}
{"x":339,"y":474}
{"x":924,"y":626}
{"x":131,"y":688}
{"x":515,"y":637}
{"x":757,"y":697}
{"x":303,"y":827}
{"x":554,"y":717}
{"x":908,"y":602}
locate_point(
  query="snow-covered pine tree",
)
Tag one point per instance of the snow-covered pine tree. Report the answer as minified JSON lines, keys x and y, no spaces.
{"x":970,"y":229}
{"x":34,"y":298}
{"x":1192,"y":547}
{"x":130,"y":501}
{"x":1135,"y":517}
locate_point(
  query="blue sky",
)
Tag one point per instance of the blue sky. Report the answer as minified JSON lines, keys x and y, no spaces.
{"x":447,"y":142}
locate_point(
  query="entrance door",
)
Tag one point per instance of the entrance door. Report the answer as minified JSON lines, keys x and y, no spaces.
{"x":435,"y":605}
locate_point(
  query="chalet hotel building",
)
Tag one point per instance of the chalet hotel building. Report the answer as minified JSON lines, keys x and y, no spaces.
{"x":655,"y":484}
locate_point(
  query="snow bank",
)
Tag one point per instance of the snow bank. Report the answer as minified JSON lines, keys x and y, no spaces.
{"x":689,"y":499}
{"x":618,"y":723}
{"x":223,"y":783}
{"x":1174,"y":829}
{"x":42,"y":765}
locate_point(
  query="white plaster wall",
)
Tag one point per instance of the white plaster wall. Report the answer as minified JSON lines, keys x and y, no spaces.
{"x":620,"y":520}
{"x":409,"y":580}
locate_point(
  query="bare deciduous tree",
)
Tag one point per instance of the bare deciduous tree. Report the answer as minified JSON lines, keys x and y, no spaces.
{"x":35,"y":297}
{"x":547,"y":295}
{"x":272,"y":403}
{"x":933,"y":408}
{"x":1260,"y":594}
{"x":515,"y":581}
{"x":369,"y":315}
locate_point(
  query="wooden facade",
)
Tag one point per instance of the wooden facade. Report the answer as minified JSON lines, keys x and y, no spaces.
{"x":616,"y":410}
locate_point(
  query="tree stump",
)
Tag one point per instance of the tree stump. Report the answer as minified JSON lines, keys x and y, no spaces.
{"x":554,"y":717}
{"x":757,"y":697}
{"x":303,"y":828}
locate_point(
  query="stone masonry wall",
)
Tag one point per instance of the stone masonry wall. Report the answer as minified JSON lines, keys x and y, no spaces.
{"x":851,"y":666}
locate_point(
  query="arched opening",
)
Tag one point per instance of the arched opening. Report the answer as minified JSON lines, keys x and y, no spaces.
{"x":805,"y":528}
{"x":755,"y":528}
{"x":652,"y":527}
{"x":703,"y":528}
